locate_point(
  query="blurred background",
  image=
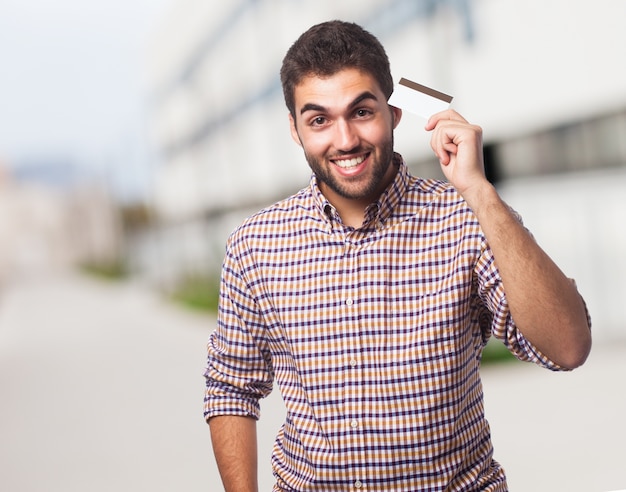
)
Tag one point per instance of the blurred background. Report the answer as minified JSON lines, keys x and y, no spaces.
{"x":135,"y":135}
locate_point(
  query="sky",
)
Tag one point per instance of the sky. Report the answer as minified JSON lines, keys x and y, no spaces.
{"x":72,"y":79}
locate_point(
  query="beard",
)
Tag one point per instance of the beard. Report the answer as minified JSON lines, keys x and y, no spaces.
{"x":348,"y":188}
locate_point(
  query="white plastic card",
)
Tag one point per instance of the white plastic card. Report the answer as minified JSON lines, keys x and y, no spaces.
{"x":419,"y":99}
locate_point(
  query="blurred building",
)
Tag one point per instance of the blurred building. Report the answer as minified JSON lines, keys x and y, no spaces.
{"x":542,"y":78}
{"x":46,"y":228}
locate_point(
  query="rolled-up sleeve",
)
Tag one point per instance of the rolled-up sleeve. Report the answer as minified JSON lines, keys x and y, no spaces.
{"x":239,"y":370}
{"x":501,"y":324}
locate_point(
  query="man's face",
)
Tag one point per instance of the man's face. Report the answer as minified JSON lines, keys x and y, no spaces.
{"x":345,"y":126}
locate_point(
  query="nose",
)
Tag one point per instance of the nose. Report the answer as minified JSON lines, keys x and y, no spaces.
{"x":346,"y":136}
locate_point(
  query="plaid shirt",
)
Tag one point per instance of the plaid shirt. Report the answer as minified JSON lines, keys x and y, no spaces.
{"x":374,"y":336}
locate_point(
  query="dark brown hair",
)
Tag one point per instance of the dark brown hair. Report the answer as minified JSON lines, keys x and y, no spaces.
{"x":330,"y":47}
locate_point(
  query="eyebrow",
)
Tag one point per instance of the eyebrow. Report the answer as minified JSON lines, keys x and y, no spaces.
{"x":358,"y":100}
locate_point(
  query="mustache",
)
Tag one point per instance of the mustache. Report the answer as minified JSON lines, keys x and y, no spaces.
{"x":343,"y":153}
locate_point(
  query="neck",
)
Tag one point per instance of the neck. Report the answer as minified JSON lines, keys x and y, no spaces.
{"x":352,"y":210}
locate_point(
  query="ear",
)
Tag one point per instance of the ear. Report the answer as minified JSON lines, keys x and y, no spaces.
{"x":396,"y":114}
{"x":294,"y":130}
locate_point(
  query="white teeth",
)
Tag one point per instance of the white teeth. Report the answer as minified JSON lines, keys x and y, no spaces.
{"x":347,"y":163}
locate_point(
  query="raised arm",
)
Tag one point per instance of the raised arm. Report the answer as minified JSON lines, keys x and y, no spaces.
{"x":544,"y":303}
{"x":235,"y":446}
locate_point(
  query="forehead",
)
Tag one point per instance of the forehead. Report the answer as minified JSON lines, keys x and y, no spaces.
{"x":336,"y":91}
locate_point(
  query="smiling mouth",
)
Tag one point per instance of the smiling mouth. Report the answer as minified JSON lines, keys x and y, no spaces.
{"x":349,"y":163}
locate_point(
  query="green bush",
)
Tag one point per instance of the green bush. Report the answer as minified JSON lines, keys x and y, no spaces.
{"x":110,"y":270}
{"x":496,"y":352}
{"x":198,"y":292}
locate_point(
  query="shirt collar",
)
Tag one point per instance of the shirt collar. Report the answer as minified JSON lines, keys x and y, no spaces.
{"x":381,"y":209}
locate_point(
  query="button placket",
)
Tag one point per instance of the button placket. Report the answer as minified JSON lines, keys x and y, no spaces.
{"x":353,"y":365}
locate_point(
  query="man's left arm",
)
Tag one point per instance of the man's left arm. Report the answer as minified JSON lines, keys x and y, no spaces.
{"x":544,"y":303}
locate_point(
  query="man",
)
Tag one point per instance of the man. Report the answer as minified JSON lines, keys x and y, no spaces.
{"x":369,"y":295}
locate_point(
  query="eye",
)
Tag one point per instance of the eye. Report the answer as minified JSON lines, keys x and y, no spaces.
{"x":362,"y":113}
{"x":318,"y":121}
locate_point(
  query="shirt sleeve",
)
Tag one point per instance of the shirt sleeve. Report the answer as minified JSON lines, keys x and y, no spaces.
{"x":239,"y":371}
{"x":499,"y":322}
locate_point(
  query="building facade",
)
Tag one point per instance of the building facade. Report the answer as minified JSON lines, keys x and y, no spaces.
{"x":541,"y":78}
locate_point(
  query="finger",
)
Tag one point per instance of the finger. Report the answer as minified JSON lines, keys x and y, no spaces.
{"x":450,"y":148}
{"x":445,"y":134}
{"x":448,"y":114}
{"x":444,"y":150}
{"x":446,"y":138}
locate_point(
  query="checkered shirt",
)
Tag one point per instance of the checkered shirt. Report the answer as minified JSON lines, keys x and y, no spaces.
{"x":373,"y":335}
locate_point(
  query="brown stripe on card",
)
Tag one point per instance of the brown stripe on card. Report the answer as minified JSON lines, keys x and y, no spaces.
{"x":426,"y":90}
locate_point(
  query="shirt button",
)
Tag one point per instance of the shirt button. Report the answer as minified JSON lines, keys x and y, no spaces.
{"x":358,"y":484}
{"x":354,"y":423}
{"x":349,"y":302}
{"x":353,"y":362}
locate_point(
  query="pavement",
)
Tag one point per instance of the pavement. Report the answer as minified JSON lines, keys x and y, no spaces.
{"x":101,"y":390}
